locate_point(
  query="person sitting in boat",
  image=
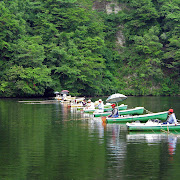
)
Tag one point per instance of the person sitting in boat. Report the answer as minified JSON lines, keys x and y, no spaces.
{"x":172,"y":118}
{"x":101,"y":106}
{"x":84,"y":102}
{"x":64,"y":97}
{"x":114,"y":113}
{"x":90,"y":105}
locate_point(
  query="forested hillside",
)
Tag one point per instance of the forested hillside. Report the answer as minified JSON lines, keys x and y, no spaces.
{"x":50,"y":45}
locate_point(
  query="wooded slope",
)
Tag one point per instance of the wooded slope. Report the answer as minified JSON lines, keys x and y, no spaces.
{"x":50,"y":45}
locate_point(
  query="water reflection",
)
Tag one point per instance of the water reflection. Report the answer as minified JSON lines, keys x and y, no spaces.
{"x":116,"y":144}
{"x":95,"y":125}
{"x":172,"y":141}
{"x":156,"y":138}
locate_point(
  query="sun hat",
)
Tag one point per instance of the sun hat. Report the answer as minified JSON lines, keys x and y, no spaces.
{"x":89,"y":100}
{"x":171,"y":110}
{"x":100,"y":99}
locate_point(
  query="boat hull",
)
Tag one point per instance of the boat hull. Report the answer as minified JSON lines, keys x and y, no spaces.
{"x":106,"y":110}
{"x":137,"y":110}
{"x":89,"y":110}
{"x":121,"y":107}
{"x":159,"y":127}
{"x":145,"y":117}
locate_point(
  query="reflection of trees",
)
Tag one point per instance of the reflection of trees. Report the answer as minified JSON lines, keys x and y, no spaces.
{"x":35,"y":146}
{"x":39,"y":142}
{"x":24,"y":127}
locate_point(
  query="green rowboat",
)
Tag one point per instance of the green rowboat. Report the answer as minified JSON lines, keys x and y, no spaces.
{"x":144,"y":117}
{"x":136,"y":110}
{"x":121,"y":107}
{"x":152,"y":126}
{"x":89,"y":110}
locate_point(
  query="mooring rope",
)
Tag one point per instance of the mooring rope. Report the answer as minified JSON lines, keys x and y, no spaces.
{"x":147,"y":111}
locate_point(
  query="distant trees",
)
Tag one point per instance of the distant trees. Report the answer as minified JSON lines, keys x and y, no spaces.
{"x":64,"y":44}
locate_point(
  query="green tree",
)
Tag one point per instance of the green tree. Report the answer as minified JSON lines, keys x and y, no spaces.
{"x":19,"y":81}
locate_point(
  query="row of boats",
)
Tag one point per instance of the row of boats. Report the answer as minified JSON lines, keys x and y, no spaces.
{"x":135,"y":118}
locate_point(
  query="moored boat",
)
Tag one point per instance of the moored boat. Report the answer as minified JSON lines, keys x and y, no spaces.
{"x":79,"y":105}
{"x":121,"y":107}
{"x":107,"y":110}
{"x":144,"y":117}
{"x":89,"y":110}
{"x":136,"y":110}
{"x":152,"y":126}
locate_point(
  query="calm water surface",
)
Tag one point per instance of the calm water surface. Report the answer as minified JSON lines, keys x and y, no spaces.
{"x":52,"y":141}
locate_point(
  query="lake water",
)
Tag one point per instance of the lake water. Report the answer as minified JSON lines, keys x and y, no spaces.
{"x":54,"y":142}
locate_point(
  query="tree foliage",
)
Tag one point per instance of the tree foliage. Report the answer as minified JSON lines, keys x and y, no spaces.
{"x":50,"y":45}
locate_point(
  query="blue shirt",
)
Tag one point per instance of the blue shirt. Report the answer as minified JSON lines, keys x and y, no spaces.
{"x":114,"y":113}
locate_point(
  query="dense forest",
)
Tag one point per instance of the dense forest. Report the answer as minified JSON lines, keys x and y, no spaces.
{"x":50,"y":45}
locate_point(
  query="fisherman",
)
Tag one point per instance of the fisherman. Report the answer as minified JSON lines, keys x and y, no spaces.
{"x":114,"y":113}
{"x":64,"y":97}
{"x":84,"y":102}
{"x":90,"y":105}
{"x":172,"y":118}
{"x":101,"y":106}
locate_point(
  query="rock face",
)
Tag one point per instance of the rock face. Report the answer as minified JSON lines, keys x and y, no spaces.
{"x":108,"y":7}
{"x":111,"y":7}
{"x":120,"y":38}
{"x":99,"y":6}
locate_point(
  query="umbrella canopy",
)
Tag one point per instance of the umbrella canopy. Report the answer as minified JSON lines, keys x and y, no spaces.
{"x":64,"y":92}
{"x":114,"y":98}
{"x":56,"y":92}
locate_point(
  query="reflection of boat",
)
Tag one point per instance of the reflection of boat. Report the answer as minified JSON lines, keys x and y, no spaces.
{"x":150,"y":137}
{"x":151,"y":125}
{"x":144,"y":117}
{"x":147,"y":137}
{"x":137,"y":110}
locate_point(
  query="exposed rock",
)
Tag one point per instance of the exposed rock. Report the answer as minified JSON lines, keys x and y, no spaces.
{"x":108,"y":7}
{"x":99,"y":5}
{"x":120,"y":37}
{"x":111,"y":7}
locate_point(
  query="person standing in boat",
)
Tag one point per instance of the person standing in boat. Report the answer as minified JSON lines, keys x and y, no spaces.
{"x":114,"y":113}
{"x":101,"y":106}
{"x":172,"y":118}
